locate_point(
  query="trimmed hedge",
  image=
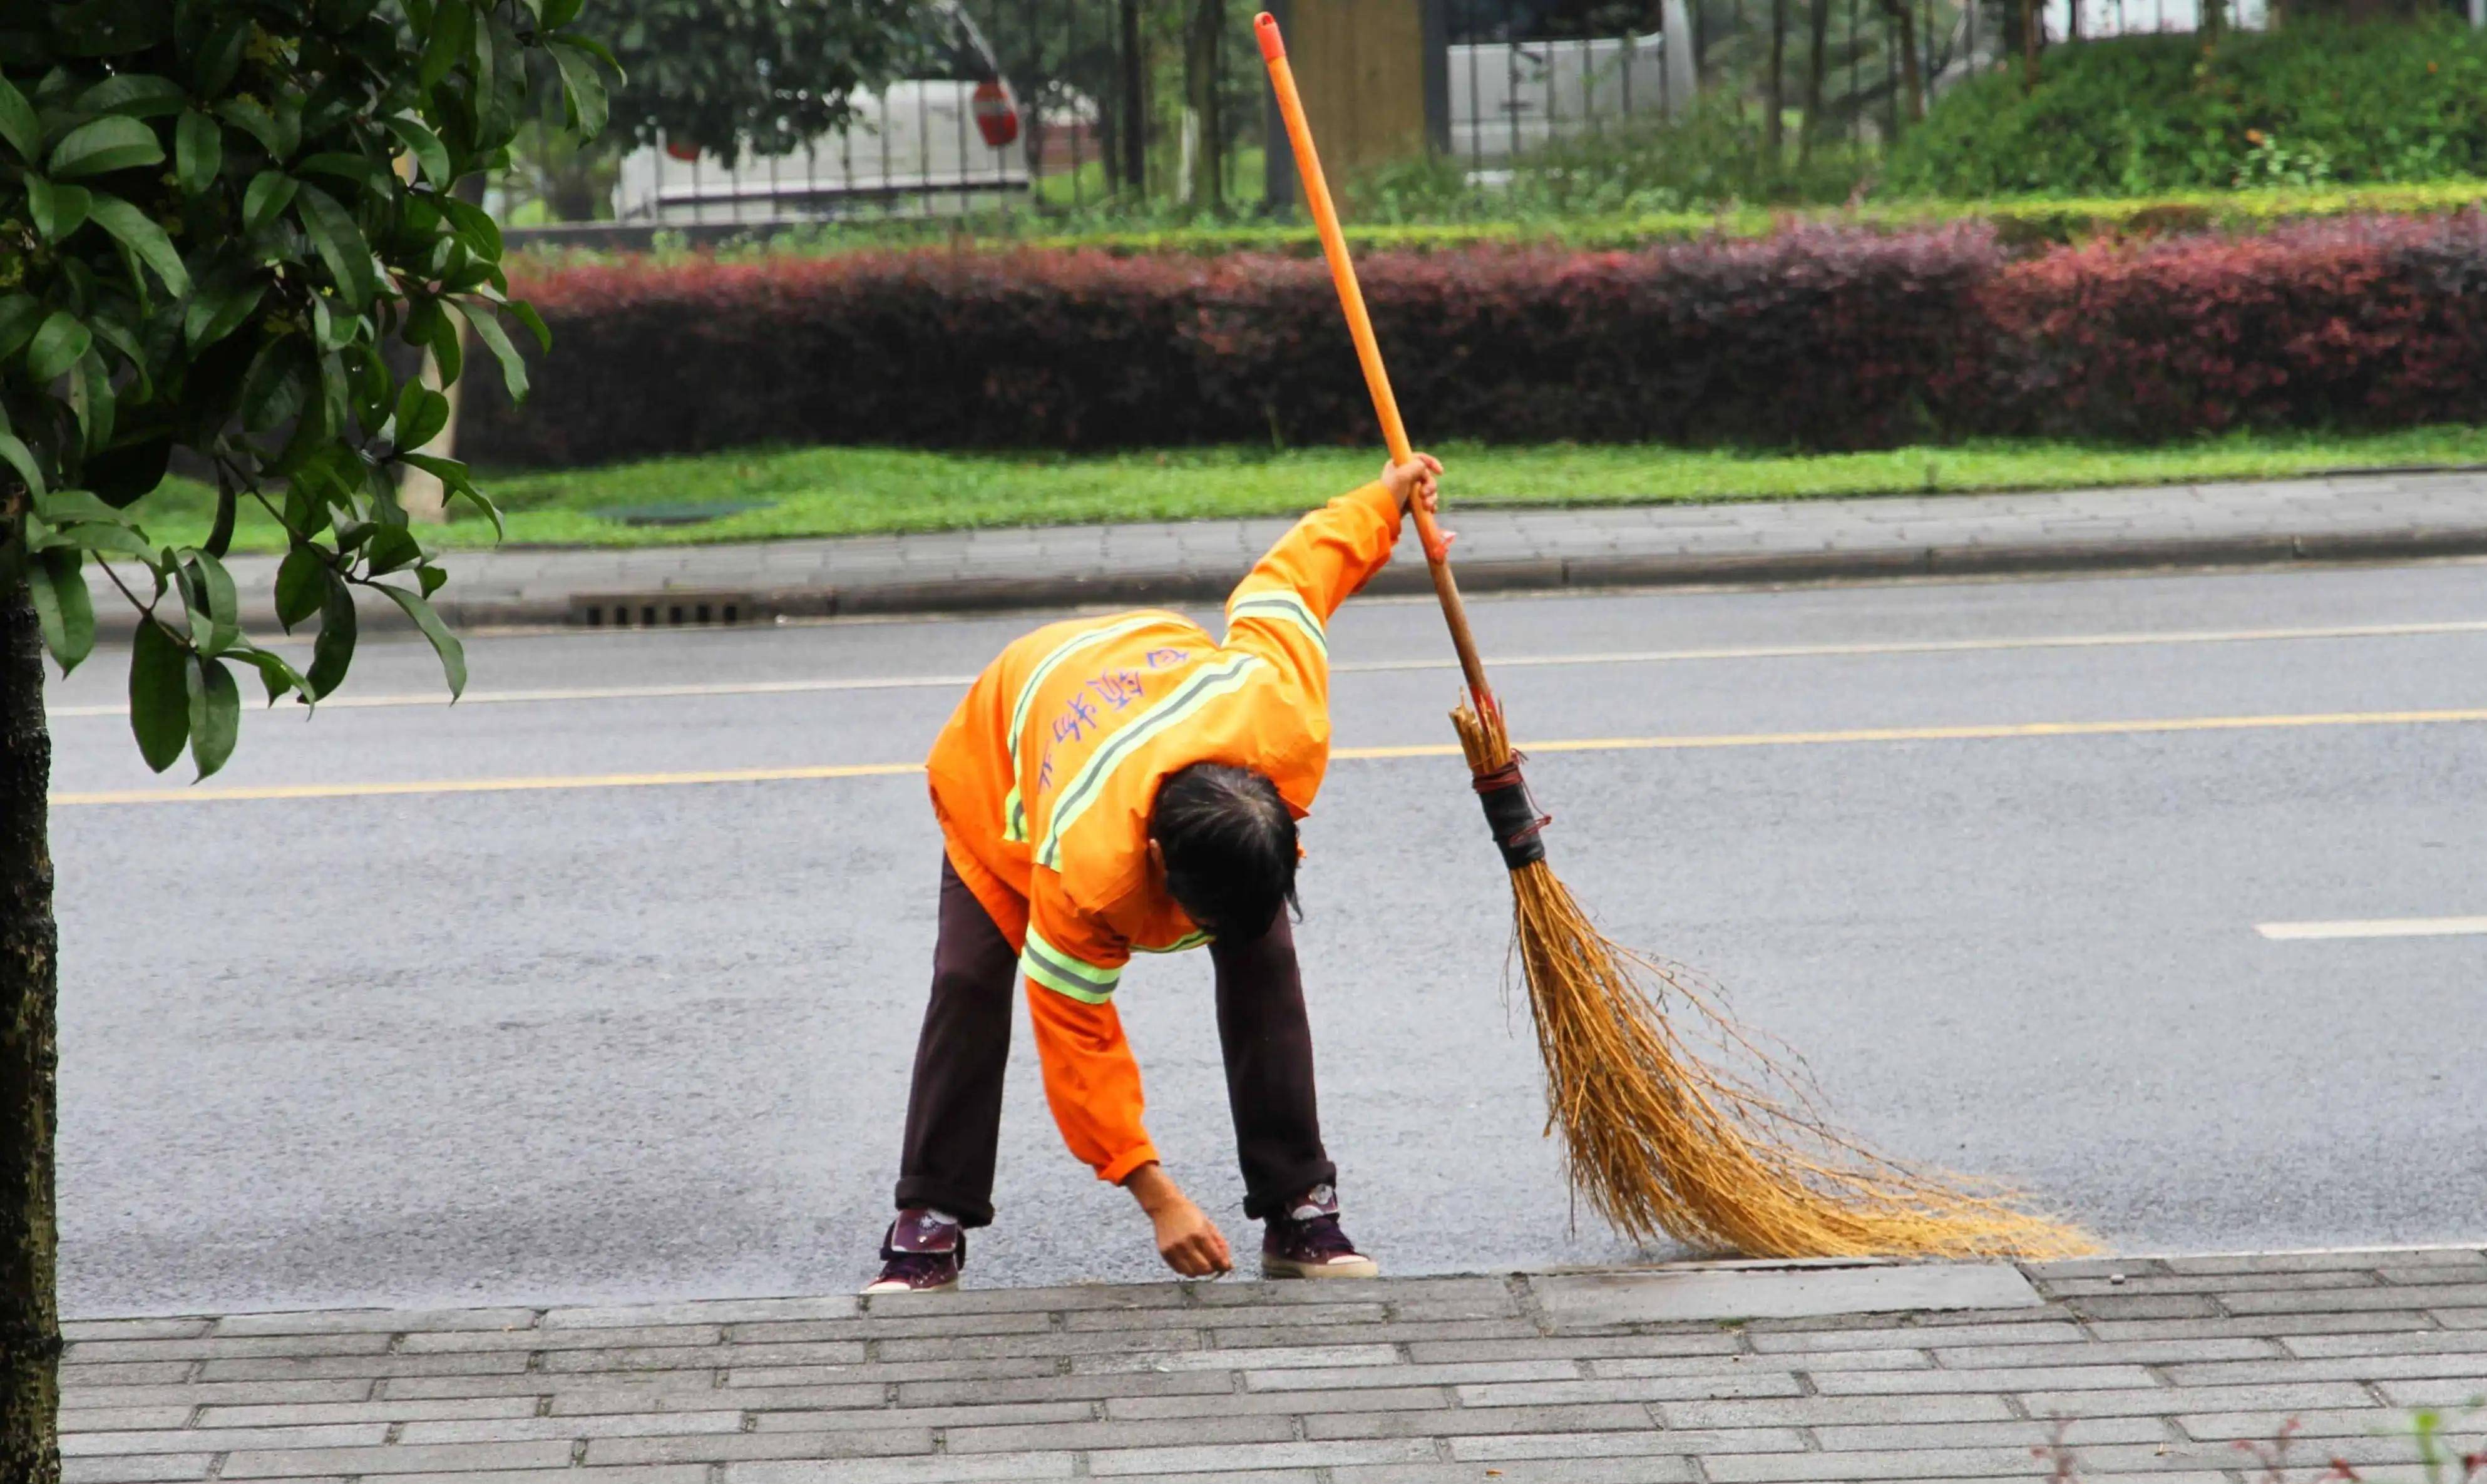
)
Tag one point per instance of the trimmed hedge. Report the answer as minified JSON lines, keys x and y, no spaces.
{"x":1813,"y":339}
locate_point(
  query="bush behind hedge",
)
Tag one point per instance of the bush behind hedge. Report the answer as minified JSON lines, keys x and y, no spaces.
{"x":2313,"y":104}
{"x":1817,"y":338}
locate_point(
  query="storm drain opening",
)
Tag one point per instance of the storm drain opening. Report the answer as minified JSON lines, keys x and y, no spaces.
{"x":667,"y":610}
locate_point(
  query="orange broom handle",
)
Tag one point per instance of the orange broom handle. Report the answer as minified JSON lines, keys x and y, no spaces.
{"x":1368,"y":351}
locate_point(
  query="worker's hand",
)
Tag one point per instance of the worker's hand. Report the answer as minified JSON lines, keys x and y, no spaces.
{"x":1188,"y":1239}
{"x":1414,"y":481}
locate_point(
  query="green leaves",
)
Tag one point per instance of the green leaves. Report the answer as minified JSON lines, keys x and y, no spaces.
{"x":334,"y":648}
{"x":198,"y":151}
{"x":57,"y":345}
{"x":583,"y":89}
{"x":18,"y":124}
{"x":340,"y":244}
{"x":301,"y":585}
{"x":218,"y":310}
{"x":214,"y":713}
{"x":514,"y":366}
{"x":430,"y":156}
{"x":57,"y":210}
{"x":421,"y":414}
{"x":270,"y":192}
{"x":453,"y":655}
{"x":57,"y":587}
{"x":144,"y":237}
{"x":159,"y":694}
{"x":113,"y":142}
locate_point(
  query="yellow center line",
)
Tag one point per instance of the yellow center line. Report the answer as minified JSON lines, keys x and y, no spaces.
{"x":1971,"y":733}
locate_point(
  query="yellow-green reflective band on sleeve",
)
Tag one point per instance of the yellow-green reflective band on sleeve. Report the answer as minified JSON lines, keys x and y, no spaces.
{"x":1187,"y":940}
{"x":1198,"y":690}
{"x":1065,"y":974}
{"x":1286,"y":607}
{"x":1014,"y":808}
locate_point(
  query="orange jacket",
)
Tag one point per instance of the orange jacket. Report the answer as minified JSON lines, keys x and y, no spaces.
{"x":1045,"y":776}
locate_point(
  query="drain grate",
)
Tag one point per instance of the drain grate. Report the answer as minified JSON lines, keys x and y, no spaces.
{"x":668,"y":610}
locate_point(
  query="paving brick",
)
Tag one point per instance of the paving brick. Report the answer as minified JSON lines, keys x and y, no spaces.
{"x":211,"y":1393}
{"x":437,"y":1458}
{"x":1003,"y":1347}
{"x":2093,"y":1267}
{"x":2234,"y":1347}
{"x":277,"y":1367}
{"x":2036,"y":1378}
{"x":1320,"y":1378}
{"x":111,"y":1419}
{"x":2169,"y":1401}
{"x":373,"y":1321}
{"x":2262,"y":1426}
{"x":1900,"y":1436}
{"x":2472,"y":1363}
{"x":674,"y":1358}
{"x":1280,"y":1357}
{"x":2437,"y":1392}
{"x":1442,"y":1335}
{"x":997,"y":1414}
{"x":151,"y":1468}
{"x":210,"y":1347}
{"x":724,"y":1447}
{"x":1893,"y":1464}
{"x":1328,"y":1403}
{"x":778,"y":1376}
{"x":1045,"y":1388}
{"x":531,"y":1337}
{"x":1041,"y":1436}
{"x":951,"y":1470}
{"x":1194,"y":1318}
{"x":311,"y":1414}
{"x":1644,"y":1470}
{"x":2318,"y":1262}
{"x":1123,"y":1462}
{"x":1643,"y":1388}
{"x":716,"y":1312}
{"x":1843,"y":1360}
{"x":2461,"y":1319}
{"x":2329,"y":1300}
{"x":1495,"y":1447}
{"x":1833,"y":1411}
{"x":172,"y":1329}
{"x":1450,"y":1422}
{"x":1913,"y":1337}
{"x":594,"y":1398}
{"x":128,"y":1373}
{"x":2364,"y":1321}
{"x":535,"y":1429}
{"x":2146,"y":1305}
{"x":2249,"y":1281}
{"x":1579,"y":1345}
{"x":185,"y":1439}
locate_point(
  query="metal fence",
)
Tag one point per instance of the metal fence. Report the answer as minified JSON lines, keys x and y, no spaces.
{"x":1057,"y":105}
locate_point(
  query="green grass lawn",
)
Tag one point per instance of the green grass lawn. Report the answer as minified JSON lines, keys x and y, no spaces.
{"x":842,"y":492}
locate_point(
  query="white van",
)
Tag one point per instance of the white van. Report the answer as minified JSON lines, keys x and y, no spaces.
{"x":1511,"y":96}
{"x":947,"y":142}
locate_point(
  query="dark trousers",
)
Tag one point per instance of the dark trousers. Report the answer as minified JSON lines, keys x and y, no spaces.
{"x":954,"y":1112}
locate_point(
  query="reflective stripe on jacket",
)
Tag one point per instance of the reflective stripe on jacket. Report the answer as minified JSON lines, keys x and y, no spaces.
{"x":1045,"y":776}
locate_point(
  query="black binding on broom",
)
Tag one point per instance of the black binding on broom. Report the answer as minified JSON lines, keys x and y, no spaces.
{"x":1511,"y":815}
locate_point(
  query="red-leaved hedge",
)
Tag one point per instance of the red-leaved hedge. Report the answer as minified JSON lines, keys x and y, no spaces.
{"x":1815,"y":338}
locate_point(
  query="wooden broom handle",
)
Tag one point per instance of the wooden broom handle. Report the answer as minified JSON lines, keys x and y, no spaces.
{"x":1368,"y":351}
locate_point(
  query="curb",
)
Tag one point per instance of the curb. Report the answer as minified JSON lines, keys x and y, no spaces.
{"x":665,"y":607}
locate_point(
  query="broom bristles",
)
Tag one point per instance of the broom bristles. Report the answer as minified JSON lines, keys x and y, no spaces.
{"x":1664,"y":1142}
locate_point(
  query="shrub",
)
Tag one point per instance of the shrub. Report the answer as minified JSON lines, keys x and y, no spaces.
{"x":1816,"y":337}
{"x":1813,"y":339}
{"x":2312,"y":104}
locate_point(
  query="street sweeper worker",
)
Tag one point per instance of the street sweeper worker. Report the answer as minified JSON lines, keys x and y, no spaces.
{"x":1128,"y":784}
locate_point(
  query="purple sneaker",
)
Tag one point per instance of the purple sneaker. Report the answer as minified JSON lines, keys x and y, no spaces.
{"x":1306,"y":1242}
{"x":922,"y":1254}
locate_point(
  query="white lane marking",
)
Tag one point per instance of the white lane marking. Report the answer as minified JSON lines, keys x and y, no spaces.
{"x":2378,"y":927}
{"x":1382,"y":666}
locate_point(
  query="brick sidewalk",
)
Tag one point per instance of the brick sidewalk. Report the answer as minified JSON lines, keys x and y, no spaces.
{"x":1718,"y":1372}
{"x":2345,"y":516}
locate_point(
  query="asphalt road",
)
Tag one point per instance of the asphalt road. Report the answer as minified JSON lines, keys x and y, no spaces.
{"x":648,"y":1039}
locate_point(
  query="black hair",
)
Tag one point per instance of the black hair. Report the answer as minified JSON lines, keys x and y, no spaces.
{"x":1230,"y":847}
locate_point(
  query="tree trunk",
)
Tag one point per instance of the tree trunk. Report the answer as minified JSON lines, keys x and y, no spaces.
{"x":1774,"y":90}
{"x":1200,"y":62}
{"x":1134,"y":103}
{"x":2215,"y":18}
{"x":1903,"y":15}
{"x":2033,"y":36}
{"x":30,"y":1328}
{"x":1816,"y":63}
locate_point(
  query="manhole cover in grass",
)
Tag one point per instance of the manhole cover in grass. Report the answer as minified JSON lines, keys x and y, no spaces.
{"x":698,"y":513}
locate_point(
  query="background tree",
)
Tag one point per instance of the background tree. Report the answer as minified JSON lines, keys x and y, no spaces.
{"x":225,"y":225}
{"x":761,"y":75}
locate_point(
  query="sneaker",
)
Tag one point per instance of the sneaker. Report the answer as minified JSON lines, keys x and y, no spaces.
{"x":922,"y":1254}
{"x":1306,"y":1242}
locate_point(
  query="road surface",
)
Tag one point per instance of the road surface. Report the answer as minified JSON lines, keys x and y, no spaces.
{"x":421,"y":1037}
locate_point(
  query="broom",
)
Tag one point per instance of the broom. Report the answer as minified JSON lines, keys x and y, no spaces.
{"x":1660,"y":1137}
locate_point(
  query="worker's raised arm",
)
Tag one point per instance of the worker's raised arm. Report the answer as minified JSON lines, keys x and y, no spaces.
{"x":1091,"y":1082}
{"x":1282,"y":606}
